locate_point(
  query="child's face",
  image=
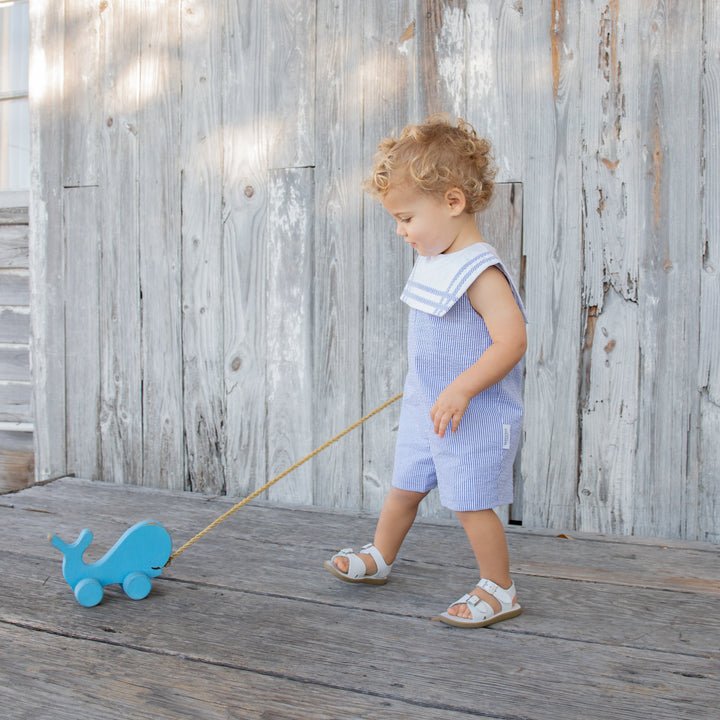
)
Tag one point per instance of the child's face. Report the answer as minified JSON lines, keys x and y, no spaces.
{"x":428,"y":223}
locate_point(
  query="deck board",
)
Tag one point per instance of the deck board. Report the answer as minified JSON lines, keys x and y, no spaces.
{"x":247,"y":624}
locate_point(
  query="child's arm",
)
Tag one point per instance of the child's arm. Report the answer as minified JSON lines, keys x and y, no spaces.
{"x":492,"y":298}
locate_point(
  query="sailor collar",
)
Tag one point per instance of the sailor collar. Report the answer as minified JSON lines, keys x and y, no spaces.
{"x":436,"y":283}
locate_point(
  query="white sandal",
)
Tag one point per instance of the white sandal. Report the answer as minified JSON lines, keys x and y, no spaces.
{"x":357,"y":572}
{"x":482,"y":612}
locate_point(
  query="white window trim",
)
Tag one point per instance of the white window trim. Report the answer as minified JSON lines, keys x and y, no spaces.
{"x":14,"y":199}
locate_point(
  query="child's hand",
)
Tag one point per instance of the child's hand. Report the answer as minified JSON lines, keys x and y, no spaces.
{"x":449,"y":409}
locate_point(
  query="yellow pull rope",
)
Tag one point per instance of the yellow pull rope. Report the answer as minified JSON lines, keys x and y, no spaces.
{"x":259,"y":491}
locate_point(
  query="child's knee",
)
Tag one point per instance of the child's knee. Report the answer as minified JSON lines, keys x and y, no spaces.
{"x":407,"y":498}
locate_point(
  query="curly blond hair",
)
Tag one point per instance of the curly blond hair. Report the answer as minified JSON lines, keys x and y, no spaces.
{"x":436,"y":156}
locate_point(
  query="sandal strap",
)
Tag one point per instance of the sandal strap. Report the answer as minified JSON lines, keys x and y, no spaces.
{"x":383,"y":569}
{"x":356,"y":567}
{"x":504,"y":596}
{"x":479,"y":609}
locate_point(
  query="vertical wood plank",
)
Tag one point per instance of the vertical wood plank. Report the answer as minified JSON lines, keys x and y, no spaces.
{"x":47,"y":282}
{"x":290,"y":112}
{"x":338,"y":297}
{"x":441,"y":29}
{"x":708,"y":505}
{"x":610,"y":167}
{"x":121,"y":376}
{"x":609,"y":406}
{"x":81,"y":93}
{"x":82,"y":332}
{"x":290,"y":82}
{"x":389,"y":49}
{"x":159,"y":241}
{"x":670,"y":260}
{"x":202,"y":246}
{"x":551,"y":221}
{"x":289,"y":331}
{"x":494,"y":70}
{"x":244,"y":150}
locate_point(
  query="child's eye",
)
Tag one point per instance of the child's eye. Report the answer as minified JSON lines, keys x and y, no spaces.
{"x":405,"y":220}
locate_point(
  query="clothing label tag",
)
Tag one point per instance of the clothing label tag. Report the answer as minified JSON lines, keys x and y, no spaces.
{"x":506,"y":437}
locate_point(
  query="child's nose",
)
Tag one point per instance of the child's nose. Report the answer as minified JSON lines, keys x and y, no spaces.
{"x":401,"y":230}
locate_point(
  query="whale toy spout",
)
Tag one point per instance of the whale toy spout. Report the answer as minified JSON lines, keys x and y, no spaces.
{"x":139,"y":555}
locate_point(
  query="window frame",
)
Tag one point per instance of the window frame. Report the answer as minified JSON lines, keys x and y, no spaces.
{"x":17,"y":197}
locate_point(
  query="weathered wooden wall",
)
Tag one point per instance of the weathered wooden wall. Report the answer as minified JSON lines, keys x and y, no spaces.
{"x":214,"y":296}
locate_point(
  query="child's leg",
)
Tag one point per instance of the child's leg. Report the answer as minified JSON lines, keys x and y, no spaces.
{"x":487,"y":538}
{"x":396,"y":518}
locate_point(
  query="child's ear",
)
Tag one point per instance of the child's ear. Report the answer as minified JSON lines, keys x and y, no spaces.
{"x":455,"y":198}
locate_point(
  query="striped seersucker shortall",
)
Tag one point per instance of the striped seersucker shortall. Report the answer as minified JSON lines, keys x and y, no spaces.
{"x":473,"y":468}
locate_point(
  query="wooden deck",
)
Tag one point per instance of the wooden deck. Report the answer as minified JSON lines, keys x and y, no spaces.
{"x":248,"y":624}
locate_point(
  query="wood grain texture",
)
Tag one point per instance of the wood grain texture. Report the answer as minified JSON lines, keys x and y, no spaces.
{"x":338,"y":300}
{"x":328,"y":640}
{"x":441,"y":64}
{"x":202,"y":246}
{"x":17,"y":460}
{"x":289,"y":323}
{"x":494,"y":74}
{"x":551,"y":222}
{"x":15,"y":401}
{"x":670,"y":259}
{"x":14,"y":243}
{"x":245,"y":202}
{"x":159,"y":240}
{"x":82,"y":94}
{"x":47,"y":281}
{"x":83,"y":331}
{"x":14,"y":325}
{"x":610,"y":45}
{"x":14,"y":208}
{"x":14,"y":287}
{"x":120,"y":309}
{"x":610,"y":210}
{"x":290,"y":281}
{"x":709,"y":359}
{"x":290,"y":83}
{"x":15,"y":362}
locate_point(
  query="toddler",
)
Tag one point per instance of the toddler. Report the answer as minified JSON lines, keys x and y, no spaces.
{"x":461,"y":414}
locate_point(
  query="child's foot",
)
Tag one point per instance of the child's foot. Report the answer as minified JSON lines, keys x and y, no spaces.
{"x":488,"y":603}
{"x":342,"y":563}
{"x":463,"y":611}
{"x":363,"y":567}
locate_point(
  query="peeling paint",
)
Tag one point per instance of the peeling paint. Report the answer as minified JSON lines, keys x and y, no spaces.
{"x":409,"y":32}
{"x":592,"y":316}
{"x":611,"y":165}
{"x":657,"y":161}
{"x":614,"y":98}
{"x":557,"y":34}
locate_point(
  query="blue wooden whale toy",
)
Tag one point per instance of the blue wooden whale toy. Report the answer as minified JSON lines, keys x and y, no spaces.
{"x":140,"y":554}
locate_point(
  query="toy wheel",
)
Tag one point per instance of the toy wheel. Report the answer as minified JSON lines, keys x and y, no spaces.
{"x":137,"y":585}
{"x":88,"y":592}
